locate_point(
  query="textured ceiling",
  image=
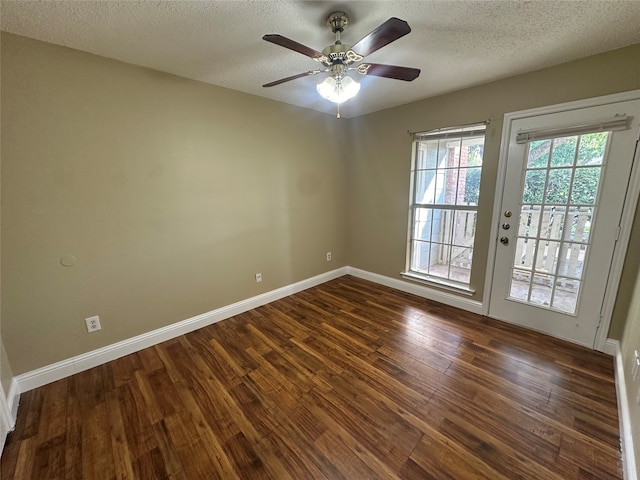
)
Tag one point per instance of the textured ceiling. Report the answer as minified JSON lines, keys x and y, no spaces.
{"x":456,"y":44}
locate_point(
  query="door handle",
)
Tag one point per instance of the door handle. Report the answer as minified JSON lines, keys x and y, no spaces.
{"x":504,"y":240}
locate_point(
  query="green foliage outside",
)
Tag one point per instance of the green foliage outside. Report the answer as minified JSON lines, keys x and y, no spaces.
{"x":472,"y":179}
{"x":587,"y":153}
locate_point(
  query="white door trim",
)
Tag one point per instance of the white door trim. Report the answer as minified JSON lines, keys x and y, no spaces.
{"x":628,"y":210}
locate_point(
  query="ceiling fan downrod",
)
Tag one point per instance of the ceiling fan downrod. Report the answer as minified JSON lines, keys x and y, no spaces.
{"x":337,"y":21}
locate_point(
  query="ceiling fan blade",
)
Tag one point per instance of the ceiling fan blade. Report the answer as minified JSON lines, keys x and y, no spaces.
{"x":292,"y":77}
{"x":389,"y":71}
{"x":389,"y":31}
{"x":292,"y":45}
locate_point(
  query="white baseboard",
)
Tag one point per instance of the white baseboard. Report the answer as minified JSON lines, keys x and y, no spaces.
{"x":611,"y":347}
{"x":6,"y":423}
{"x":626,"y":435}
{"x":420,"y":290}
{"x":42,"y":376}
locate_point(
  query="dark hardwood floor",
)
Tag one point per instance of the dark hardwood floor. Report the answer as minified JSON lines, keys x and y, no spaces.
{"x":347,"y":380}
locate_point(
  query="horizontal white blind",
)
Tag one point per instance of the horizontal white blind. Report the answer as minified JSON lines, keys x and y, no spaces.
{"x":453,"y":132}
{"x":620,"y":122}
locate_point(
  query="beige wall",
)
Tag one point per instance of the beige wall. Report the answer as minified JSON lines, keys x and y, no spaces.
{"x":379,"y":167}
{"x":170,"y":193}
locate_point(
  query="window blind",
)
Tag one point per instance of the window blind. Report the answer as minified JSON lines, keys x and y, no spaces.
{"x":452,"y":132}
{"x":620,"y":122}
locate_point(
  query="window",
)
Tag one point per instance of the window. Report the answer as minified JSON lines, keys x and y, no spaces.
{"x":445,"y":185}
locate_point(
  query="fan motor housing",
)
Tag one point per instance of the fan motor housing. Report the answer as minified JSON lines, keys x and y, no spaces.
{"x":339,"y":53}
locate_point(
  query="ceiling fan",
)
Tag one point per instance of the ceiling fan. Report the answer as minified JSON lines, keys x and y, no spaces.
{"x":338,"y":58}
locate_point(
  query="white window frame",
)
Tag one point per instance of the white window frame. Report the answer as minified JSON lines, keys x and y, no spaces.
{"x":454,"y":133}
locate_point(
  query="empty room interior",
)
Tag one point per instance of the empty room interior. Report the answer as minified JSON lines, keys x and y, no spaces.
{"x":320,"y":240}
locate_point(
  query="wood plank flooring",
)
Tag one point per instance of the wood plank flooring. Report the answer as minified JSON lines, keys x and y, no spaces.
{"x":347,"y":380}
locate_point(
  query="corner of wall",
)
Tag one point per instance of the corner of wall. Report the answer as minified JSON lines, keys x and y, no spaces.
{"x":8,"y":411}
{"x":9,"y":397}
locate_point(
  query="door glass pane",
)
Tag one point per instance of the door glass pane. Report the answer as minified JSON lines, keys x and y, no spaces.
{"x":552,"y":222}
{"x":571,"y":260}
{"x":519,"y":289}
{"x":541,"y":289}
{"x":579,"y":224}
{"x":558,"y":186}
{"x":529,"y":221}
{"x":592,"y":147}
{"x":565,"y":296}
{"x":538,"y":154}
{"x":585,"y":185}
{"x":525,"y":250}
{"x":534,"y":181}
{"x":547,"y":257}
{"x":564,"y":151}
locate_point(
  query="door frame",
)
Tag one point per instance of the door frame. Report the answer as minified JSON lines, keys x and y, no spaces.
{"x":626,"y":218}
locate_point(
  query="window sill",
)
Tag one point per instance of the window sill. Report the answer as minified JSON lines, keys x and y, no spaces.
{"x":438,"y":283}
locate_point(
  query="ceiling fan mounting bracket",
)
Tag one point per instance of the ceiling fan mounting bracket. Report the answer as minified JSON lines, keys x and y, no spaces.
{"x":337,"y":21}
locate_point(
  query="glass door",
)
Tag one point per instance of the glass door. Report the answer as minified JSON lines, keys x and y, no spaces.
{"x":562,"y":201}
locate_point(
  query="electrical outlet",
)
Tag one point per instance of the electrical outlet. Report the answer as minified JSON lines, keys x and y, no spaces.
{"x":258,"y":277}
{"x":93,"y":324}
{"x":328,"y":256}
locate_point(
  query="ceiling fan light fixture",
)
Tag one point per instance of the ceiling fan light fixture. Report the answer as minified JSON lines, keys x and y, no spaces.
{"x":338,"y":89}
